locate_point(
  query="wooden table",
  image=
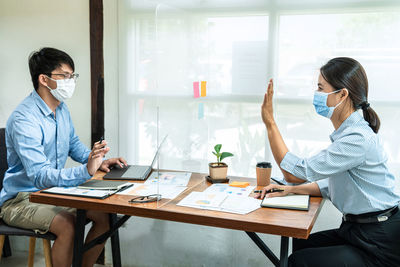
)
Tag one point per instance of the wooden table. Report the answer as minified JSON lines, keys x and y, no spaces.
{"x":282,"y":222}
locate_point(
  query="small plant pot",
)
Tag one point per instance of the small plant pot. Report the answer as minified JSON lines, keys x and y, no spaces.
{"x":218,"y":170}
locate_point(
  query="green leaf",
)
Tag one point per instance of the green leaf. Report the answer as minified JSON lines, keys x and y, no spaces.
{"x":215,"y":154}
{"x":218,"y":148}
{"x":225,"y":155}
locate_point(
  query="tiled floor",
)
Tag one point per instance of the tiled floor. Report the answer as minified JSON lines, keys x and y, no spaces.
{"x":20,"y":259}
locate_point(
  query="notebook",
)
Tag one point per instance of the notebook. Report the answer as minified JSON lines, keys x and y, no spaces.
{"x":295,"y":202}
{"x":104,"y":185}
{"x":79,"y":192}
{"x":133,"y":172}
{"x":92,"y":189}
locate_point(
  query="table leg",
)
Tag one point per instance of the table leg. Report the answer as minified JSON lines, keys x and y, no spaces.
{"x":264,"y":248}
{"x":6,"y":247}
{"x":115,"y":248}
{"x":79,"y":235}
{"x":284,"y":251}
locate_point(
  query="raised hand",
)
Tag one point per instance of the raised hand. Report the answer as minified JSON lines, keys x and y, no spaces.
{"x":267,"y":113}
{"x":96,"y":156}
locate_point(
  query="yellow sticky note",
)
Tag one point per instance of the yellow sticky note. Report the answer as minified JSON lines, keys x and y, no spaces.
{"x":203,"y":88}
{"x":239,"y":184}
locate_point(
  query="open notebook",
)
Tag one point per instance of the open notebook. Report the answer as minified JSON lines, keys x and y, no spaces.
{"x":296,"y":202}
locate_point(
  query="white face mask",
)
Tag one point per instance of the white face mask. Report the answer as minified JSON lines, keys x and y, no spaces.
{"x":65,"y":89}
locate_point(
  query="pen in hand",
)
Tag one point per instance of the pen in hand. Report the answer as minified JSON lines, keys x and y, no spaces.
{"x":272,"y":190}
{"x":101,"y":139}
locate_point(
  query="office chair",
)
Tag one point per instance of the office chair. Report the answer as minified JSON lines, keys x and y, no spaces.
{"x":6,"y":230}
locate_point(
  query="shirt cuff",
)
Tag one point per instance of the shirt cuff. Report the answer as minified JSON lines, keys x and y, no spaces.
{"x":323,"y":187}
{"x":289,"y":162}
{"x":86,"y":157}
{"x":85,"y":172}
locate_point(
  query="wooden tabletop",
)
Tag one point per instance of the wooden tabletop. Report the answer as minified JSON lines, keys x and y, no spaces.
{"x":283,"y":222}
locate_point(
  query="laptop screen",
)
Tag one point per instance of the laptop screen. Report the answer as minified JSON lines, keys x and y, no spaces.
{"x":158,"y":151}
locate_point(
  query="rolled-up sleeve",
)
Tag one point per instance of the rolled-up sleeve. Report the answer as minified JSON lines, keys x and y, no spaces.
{"x":324,"y":187}
{"x":77,"y":150}
{"x":342,"y":155}
{"x":27,"y":143}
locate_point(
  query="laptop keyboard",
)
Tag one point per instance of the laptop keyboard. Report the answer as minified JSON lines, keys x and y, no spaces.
{"x":136,"y":172}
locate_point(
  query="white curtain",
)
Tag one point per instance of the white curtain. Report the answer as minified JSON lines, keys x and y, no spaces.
{"x":164,"y":48}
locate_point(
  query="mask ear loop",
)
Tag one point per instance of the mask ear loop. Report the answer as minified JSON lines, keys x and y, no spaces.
{"x":48,"y":87}
{"x":343,"y":99}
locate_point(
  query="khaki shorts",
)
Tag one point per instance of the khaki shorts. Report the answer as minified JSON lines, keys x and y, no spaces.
{"x":20,"y":212}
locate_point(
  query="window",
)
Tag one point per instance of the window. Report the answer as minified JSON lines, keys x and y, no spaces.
{"x":164,"y":49}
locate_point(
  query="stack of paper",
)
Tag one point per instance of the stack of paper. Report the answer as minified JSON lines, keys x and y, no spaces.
{"x":166,"y":191}
{"x":229,"y":190}
{"x":220,"y":202}
{"x":167,"y":184}
{"x":169,"y":178}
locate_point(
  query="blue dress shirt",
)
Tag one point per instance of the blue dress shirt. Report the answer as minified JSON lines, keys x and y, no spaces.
{"x":38,"y":145}
{"x":355,"y":164}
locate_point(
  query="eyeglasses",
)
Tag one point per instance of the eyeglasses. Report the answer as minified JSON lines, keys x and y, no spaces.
{"x":74,"y":76}
{"x":145,"y":199}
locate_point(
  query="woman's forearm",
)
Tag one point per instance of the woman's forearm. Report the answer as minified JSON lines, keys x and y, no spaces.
{"x":279,"y":150}
{"x":311,"y":189}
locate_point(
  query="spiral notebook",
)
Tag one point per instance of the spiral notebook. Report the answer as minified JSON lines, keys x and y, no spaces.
{"x":295,"y":202}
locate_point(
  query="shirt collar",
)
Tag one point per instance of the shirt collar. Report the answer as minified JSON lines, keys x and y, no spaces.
{"x":351,"y":120}
{"x":42,"y":105}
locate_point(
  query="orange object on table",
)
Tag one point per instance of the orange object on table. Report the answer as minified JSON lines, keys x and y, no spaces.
{"x":239,"y":184}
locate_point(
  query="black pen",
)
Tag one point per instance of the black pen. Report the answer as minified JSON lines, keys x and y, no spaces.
{"x":101,"y":139}
{"x":273,"y":190}
{"x":277,"y":181}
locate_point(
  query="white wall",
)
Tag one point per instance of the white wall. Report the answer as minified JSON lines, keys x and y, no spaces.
{"x":28,"y":25}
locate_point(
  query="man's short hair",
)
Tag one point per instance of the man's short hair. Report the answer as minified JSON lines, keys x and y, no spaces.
{"x":45,"y":61}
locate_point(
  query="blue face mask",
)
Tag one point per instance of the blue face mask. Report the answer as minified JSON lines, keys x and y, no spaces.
{"x":320,"y":100}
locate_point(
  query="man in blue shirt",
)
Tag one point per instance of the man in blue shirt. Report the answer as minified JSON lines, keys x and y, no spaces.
{"x":40,"y":136}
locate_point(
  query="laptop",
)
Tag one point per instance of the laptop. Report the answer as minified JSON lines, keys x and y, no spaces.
{"x":132,"y":172}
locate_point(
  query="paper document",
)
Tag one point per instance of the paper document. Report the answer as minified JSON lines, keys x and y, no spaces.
{"x":169,"y":178}
{"x":166,"y":191}
{"x":241,"y":205}
{"x":230,"y":190}
{"x":202,"y":200}
{"x":220,"y":202}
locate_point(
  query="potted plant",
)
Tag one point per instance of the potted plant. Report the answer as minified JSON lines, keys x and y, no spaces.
{"x":219,"y":169}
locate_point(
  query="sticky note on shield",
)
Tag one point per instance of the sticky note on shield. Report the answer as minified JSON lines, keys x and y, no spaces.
{"x":203,"y":88}
{"x":196,"y":90}
{"x":200,"y":113}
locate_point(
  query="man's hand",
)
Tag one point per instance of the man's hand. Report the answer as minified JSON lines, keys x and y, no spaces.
{"x":96,"y":156}
{"x":267,"y":113}
{"x":105,"y":166}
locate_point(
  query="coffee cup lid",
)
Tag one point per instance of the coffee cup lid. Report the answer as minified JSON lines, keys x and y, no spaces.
{"x":264,"y":165}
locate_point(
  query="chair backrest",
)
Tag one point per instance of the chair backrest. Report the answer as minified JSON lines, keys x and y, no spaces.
{"x":3,"y":155}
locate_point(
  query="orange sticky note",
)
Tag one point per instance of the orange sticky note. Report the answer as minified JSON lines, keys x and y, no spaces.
{"x":203,"y":88}
{"x":239,"y":184}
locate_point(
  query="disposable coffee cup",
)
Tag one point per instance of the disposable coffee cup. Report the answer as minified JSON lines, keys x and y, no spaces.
{"x":263,"y":171}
